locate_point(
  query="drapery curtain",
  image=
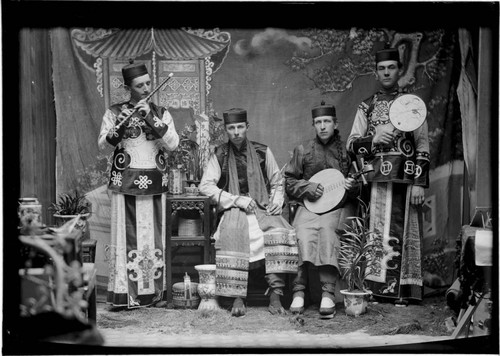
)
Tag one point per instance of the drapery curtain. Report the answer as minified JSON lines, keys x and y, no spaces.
{"x":266,"y":73}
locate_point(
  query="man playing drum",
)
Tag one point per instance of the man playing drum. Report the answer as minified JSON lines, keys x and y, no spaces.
{"x":317,"y":235}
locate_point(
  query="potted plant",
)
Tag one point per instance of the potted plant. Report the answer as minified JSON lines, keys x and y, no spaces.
{"x":358,"y":245}
{"x":68,"y":206}
{"x":181,"y":159}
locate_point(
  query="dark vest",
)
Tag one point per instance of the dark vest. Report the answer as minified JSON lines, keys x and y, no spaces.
{"x":222,"y":154}
{"x":319,"y":156}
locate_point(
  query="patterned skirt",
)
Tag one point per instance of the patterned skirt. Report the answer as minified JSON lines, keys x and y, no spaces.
{"x":397,"y":272}
{"x":136,"y":252}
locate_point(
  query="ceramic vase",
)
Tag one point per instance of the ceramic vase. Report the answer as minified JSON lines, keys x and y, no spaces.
{"x":29,"y":212}
{"x":355,"y":302}
{"x":206,"y":287}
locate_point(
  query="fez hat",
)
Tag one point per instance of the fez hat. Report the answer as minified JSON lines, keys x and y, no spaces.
{"x":235,"y":115}
{"x":133,"y":70}
{"x":323,"y":110}
{"x":390,"y":54}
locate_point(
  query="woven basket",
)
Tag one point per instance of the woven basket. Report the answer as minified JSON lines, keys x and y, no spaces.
{"x":190,"y":227}
{"x":179,"y":298}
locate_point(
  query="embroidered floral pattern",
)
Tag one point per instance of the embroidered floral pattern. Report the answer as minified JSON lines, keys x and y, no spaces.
{"x":145,"y":265}
{"x":113,"y":132}
{"x":158,"y":122}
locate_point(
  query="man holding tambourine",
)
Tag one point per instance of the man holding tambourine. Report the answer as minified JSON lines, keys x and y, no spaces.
{"x":390,"y":133}
{"x":316,"y":179}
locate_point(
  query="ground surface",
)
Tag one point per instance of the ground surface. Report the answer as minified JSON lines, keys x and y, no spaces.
{"x":426,"y":319}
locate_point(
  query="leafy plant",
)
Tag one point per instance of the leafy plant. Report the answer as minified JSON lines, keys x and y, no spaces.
{"x":358,"y":246}
{"x":71,"y":204}
{"x":183,"y":156}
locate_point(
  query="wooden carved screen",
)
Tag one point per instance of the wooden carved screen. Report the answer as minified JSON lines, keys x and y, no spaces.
{"x":186,"y":88}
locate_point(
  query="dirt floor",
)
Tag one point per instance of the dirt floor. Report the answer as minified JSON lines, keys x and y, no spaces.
{"x":427,"y":318}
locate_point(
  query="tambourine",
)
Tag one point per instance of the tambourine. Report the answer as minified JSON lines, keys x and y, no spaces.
{"x":407,"y":112}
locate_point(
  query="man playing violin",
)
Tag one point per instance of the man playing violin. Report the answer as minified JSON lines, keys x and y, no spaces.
{"x":141,"y":132}
{"x":317,"y":235}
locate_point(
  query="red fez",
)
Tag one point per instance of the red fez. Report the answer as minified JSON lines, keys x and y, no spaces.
{"x":323,"y":110}
{"x":390,"y":54}
{"x":133,"y":70}
{"x":233,"y":116}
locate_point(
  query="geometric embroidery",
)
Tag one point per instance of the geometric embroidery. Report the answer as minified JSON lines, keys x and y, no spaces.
{"x":143,"y":182}
{"x":409,"y":167}
{"x":386,"y":168}
{"x":362,"y":151}
{"x":158,"y":122}
{"x":116,"y":178}
{"x":418,"y":171}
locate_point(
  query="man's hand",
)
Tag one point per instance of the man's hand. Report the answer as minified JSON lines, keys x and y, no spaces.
{"x":143,"y":107}
{"x":274,"y":209}
{"x":417,"y":195}
{"x":123,"y":114}
{"x":318,"y":193}
{"x":383,"y":135}
{"x":246,"y":203}
{"x":350,"y":183}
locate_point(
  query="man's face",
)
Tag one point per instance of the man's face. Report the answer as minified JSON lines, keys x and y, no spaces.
{"x":325,"y":126}
{"x":237,"y":132}
{"x":140,"y":87}
{"x":388,"y":73}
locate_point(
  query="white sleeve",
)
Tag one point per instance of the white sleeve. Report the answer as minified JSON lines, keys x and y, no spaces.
{"x":108,"y":123}
{"x":171,"y":138}
{"x":208,"y":186}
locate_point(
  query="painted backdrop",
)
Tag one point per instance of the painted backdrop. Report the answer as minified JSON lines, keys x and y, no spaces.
{"x":277,"y":75}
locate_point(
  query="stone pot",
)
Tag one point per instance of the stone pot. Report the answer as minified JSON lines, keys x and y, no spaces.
{"x":206,"y":287}
{"x":355,"y":302}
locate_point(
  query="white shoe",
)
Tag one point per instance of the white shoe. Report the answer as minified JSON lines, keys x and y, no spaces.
{"x":297,"y":305}
{"x":326,"y":303}
{"x":327,"y":308}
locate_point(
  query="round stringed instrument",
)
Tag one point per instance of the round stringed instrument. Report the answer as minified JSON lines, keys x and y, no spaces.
{"x":334,"y":192}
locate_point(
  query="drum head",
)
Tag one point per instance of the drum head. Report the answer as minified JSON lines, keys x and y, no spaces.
{"x":333,"y":183}
{"x":407,"y":112}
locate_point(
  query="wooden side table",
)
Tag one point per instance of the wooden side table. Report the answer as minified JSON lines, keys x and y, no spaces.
{"x":176,"y":204}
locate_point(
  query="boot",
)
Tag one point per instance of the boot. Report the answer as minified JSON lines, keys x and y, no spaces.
{"x":239,"y":308}
{"x":275,"y":307}
{"x":327,"y":307}
{"x":297,"y":306}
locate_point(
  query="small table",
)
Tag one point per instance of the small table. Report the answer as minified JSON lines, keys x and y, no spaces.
{"x":175,"y":204}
